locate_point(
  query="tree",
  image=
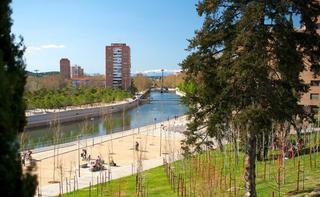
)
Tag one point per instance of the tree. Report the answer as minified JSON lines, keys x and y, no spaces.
{"x":50,"y":82}
{"x":172,"y":81}
{"x":142,"y":82}
{"x":244,"y":70}
{"x":132,"y":89}
{"x":13,"y":182}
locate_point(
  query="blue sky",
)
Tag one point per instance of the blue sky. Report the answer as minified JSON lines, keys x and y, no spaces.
{"x":156,"y":31}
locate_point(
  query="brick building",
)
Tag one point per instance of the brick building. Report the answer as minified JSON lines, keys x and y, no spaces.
{"x":118,"y":65}
{"x":77,"y":71}
{"x":65,"y":68}
{"x":311,"y":98}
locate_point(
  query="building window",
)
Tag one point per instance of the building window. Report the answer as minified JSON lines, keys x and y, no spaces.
{"x":314,"y":96}
{"x":315,"y":82}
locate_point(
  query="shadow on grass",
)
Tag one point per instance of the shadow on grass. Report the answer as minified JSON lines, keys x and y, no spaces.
{"x":305,"y":191}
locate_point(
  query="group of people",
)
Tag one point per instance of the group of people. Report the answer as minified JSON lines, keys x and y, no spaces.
{"x":290,"y":149}
{"x":26,"y":155}
{"x":98,"y":163}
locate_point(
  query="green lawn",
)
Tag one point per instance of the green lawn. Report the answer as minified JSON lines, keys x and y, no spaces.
{"x":155,"y":181}
{"x":223,"y":173}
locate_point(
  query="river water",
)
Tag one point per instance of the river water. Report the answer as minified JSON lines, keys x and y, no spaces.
{"x":161,"y":107}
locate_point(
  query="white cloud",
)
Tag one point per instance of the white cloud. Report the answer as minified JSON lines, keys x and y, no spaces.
{"x":52,"y":46}
{"x":159,"y":71}
{"x":32,"y":49}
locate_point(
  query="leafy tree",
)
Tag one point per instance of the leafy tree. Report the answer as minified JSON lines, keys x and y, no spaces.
{"x":171,"y":81}
{"x":13,"y":182}
{"x":133,"y":89}
{"x":50,"y":82}
{"x":245,"y":62}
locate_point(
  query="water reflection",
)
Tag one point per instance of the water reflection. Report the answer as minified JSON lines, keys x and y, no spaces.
{"x":160,"y":108}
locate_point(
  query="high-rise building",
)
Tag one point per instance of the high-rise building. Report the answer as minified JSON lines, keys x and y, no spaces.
{"x":76,"y":71}
{"x":65,"y":68}
{"x":118,"y":65}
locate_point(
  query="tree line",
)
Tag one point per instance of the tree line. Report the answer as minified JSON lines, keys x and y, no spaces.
{"x":60,"y":98}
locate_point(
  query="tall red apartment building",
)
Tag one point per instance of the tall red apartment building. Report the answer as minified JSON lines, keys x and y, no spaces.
{"x":118,"y":65}
{"x":65,"y":68}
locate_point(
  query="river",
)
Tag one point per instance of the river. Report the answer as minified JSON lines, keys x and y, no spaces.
{"x":160,"y":108}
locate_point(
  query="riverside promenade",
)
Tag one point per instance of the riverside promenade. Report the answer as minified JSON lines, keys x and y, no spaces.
{"x":117,"y":146}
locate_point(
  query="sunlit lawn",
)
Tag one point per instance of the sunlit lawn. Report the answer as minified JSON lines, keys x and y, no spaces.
{"x":157,"y":184}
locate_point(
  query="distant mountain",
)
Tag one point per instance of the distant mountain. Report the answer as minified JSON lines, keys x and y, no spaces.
{"x":158,"y":73}
{"x":42,"y":74}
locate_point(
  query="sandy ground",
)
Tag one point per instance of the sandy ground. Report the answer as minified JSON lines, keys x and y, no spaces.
{"x":118,"y":146}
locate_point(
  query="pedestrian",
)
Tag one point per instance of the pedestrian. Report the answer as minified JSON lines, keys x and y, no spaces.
{"x":29,"y":154}
{"x":23,"y":159}
{"x":85,"y":153}
{"x":137,"y":146}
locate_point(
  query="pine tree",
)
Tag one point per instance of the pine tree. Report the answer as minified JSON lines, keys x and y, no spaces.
{"x":12,"y":117}
{"x":244,"y":70}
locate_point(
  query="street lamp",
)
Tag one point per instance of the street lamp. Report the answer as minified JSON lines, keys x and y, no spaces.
{"x":37,"y":76}
{"x":155,"y":125}
{"x":161,"y":128}
{"x":154,"y":128}
{"x":161,"y":81}
{"x":79,"y":153}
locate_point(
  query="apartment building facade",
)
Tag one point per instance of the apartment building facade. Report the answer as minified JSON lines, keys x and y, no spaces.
{"x":77,"y":71}
{"x":65,"y":68}
{"x":118,"y":66}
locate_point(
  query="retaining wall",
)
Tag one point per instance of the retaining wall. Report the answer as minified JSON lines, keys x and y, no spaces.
{"x":42,"y":120}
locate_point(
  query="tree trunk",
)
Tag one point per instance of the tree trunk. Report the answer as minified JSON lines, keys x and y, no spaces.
{"x":250,"y":164}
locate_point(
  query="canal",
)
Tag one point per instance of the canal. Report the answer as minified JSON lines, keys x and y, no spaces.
{"x":161,"y":107}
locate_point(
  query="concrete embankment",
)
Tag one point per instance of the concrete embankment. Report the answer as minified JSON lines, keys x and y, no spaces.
{"x":70,"y":115}
{"x":180,"y":93}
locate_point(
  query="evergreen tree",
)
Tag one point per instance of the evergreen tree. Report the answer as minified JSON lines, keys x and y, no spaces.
{"x":244,"y":69}
{"x":12,"y":117}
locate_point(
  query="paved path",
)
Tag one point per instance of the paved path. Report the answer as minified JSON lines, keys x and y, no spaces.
{"x":87,"y":177}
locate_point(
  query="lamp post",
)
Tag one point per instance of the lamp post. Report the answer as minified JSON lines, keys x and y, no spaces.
{"x":161,"y":138}
{"x":155,"y":125}
{"x":161,"y":128}
{"x":79,"y":153}
{"x":154,"y":128}
{"x":161,"y":90}
{"x":37,"y":78}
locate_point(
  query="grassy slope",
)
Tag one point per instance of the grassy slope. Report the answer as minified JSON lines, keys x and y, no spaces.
{"x":158,"y":184}
{"x":156,"y":180}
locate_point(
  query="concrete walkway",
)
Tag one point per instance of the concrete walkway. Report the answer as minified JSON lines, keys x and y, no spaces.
{"x":127,"y":165}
